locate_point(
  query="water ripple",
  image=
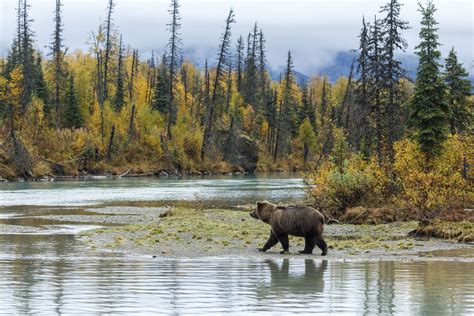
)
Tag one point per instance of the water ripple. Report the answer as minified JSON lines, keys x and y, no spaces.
{"x":235,"y":286}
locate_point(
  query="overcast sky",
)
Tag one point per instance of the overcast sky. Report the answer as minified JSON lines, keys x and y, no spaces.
{"x":313,"y":29}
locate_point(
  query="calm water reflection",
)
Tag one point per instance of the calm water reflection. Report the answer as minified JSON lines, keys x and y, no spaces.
{"x":57,"y":274}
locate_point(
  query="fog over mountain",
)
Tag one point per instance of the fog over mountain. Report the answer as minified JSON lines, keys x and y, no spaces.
{"x":319,"y":32}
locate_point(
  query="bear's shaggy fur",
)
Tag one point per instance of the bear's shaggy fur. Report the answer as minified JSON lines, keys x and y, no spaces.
{"x":300,"y":221}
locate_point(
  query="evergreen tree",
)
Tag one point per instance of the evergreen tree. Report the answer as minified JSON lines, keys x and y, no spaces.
{"x":27,"y":60}
{"x":119,"y":99}
{"x":222,"y":59}
{"x":361,"y":130}
{"x":392,"y":39}
{"x":57,"y":60}
{"x":458,"y":89}
{"x":429,"y":112}
{"x":262,"y":73}
{"x":250,"y":92}
{"x":375,"y":72}
{"x":174,"y":49}
{"x":307,"y":110}
{"x":72,"y":112}
{"x":323,"y":114}
{"x":240,"y":63}
{"x":108,"y":46}
{"x":14,"y":54}
{"x":286,"y":126}
{"x":41,"y":90}
{"x":161,"y":99}
{"x":151,"y":79}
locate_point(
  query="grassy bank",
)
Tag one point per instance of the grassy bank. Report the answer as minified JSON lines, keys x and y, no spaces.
{"x":185,"y":232}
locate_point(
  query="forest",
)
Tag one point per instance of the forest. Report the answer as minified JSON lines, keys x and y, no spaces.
{"x":373,"y":136}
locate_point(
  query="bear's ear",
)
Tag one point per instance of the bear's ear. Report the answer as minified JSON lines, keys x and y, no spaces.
{"x":260,"y":205}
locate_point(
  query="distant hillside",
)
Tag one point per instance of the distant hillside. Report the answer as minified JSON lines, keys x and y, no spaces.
{"x":341,"y":65}
{"x":278,"y":73}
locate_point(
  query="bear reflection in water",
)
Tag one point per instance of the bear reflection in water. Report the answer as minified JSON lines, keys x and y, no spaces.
{"x":291,"y":278}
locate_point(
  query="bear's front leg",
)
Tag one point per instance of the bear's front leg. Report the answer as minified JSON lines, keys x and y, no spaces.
{"x":285,"y":243}
{"x":272,"y":241}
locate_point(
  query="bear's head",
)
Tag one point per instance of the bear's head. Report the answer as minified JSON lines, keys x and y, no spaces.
{"x":263,"y":211}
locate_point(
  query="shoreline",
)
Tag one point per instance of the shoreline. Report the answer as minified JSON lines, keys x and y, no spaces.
{"x":156,"y":230}
{"x":159,"y":175}
{"x":168,"y":238}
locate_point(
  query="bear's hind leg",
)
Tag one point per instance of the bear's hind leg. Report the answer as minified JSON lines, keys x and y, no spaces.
{"x":323,"y":246}
{"x":285,"y":243}
{"x":309,"y":243}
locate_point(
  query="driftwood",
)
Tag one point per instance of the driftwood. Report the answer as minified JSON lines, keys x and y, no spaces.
{"x":125,"y":173}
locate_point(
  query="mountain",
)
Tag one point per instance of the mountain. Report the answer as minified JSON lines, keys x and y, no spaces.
{"x":341,"y":65}
{"x":277,"y":74}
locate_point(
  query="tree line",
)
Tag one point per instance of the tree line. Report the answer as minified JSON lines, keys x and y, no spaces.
{"x":110,"y":106}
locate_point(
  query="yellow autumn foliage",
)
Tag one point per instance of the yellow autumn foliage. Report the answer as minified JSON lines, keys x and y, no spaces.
{"x":336,"y":186}
{"x":435,"y":184}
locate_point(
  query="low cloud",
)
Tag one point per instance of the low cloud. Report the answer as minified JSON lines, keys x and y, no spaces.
{"x":315,"y":30}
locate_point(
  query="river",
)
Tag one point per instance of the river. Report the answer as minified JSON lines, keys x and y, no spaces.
{"x":46,"y":269}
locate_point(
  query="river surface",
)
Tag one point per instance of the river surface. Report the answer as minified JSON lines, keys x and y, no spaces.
{"x":51,"y":271}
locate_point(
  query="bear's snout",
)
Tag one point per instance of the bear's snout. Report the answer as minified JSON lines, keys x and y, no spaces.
{"x":254,"y":214}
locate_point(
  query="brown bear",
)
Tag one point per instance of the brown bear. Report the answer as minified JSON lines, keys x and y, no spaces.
{"x":300,"y":221}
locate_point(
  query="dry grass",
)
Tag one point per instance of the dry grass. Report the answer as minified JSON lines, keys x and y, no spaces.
{"x":462,"y":231}
{"x":374,"y":216}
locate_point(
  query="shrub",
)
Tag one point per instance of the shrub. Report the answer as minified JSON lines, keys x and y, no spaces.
{"x":434,"y":184}
{"x":336,"y":187}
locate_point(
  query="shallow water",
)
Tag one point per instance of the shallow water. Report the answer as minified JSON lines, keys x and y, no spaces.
{"x":226,"y":190}
{"x":45,"y":269}
{"x":53,"y":274}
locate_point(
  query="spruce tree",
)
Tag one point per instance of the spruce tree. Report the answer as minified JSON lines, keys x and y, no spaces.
{"x":72,"y":112}
{"x":286,"y":126}
{"x":458,"y":89}
{"x":429,"y":111}
{"x":262,"y":73}
{"x":161,"y":99}
{"x":108,"y":46}
{"x":27,"y":60}
{"x":14,"y":54}
{"x":362,"y":130}
{"x":119,"y":99}
{"x":375,"y":72}
{"x":41,"y":90}
{"x":250,"y":92}
{"x":57,"y":61}
{"x":393,"y":41}
{"x":222,"y":60}
{"x":174,"y":44}
{"x":240,"y":62}
{"x":307,"y":109}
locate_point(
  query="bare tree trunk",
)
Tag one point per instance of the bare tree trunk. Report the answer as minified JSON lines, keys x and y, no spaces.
{"x":130,"y":127}
{"x":111,"y":143}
